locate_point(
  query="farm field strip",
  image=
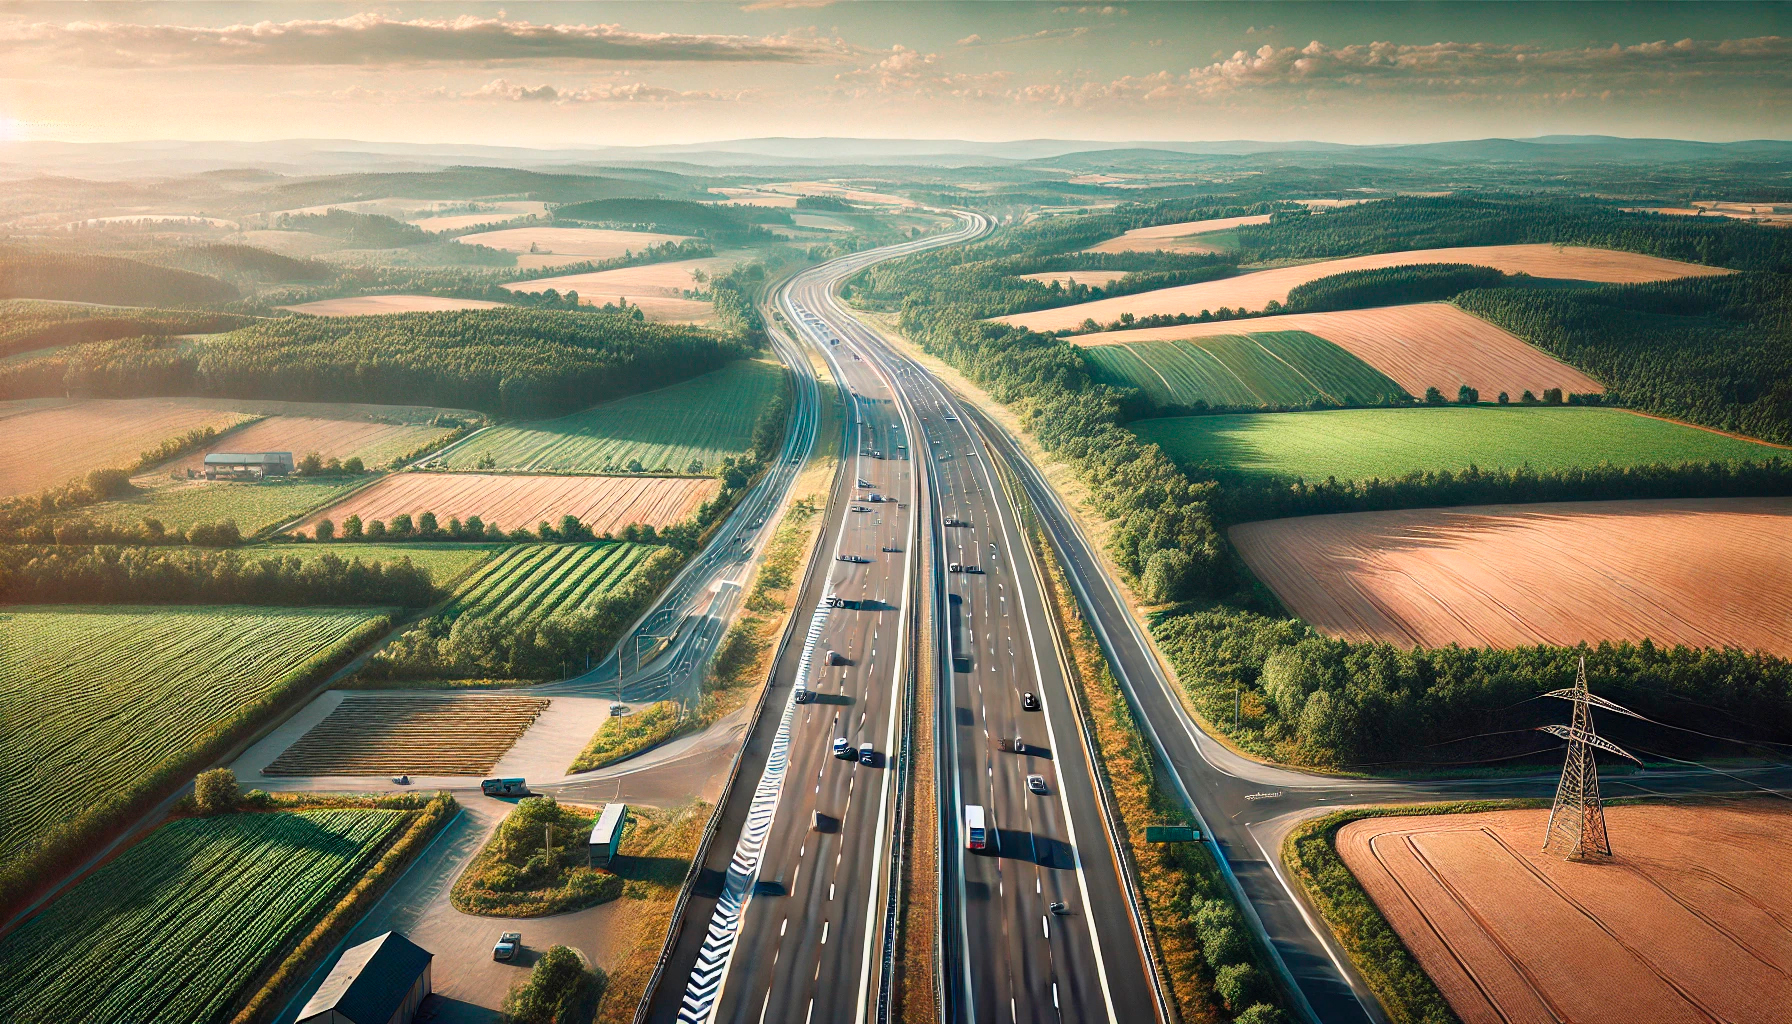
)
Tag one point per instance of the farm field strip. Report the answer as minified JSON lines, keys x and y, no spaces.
{"x":252,"y":506}
{"x":174,"y":929}
{"x":1282,"y":369}
{"x":541,"y":579}
{"x":1254,"y":290}
{"x":585,"y":243}
{"x":44,"y":444}
{"x":1363,"y":444}
{"x":375,"y":444}
{"x":370,"y":305}
{"x":98,"y":700}
{"x":699,"y":420}
{"x":1703,"y":572}
{"x":1431,"y":344}
{"x":1183,"y":237}
{"x":1679,"y":925}
{"x":671,"y":279}
{"x":606,"y":504}
{"x":419,"y":734}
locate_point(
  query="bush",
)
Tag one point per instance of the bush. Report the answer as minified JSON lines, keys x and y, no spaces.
{"x":215,"y":792}
{"x":1261,"y":1013}
{"x":558,"y":991}
{"x":110,"y":483}
{"x":1240,"y":985}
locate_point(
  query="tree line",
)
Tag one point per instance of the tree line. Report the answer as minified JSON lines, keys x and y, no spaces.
{"x":35,"y":574}
{"x":110,"y":280}
{"x":26,"y":326}
{"x":513,"y":362}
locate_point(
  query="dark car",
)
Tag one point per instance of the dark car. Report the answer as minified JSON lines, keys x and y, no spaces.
{"x":1030,"y":701}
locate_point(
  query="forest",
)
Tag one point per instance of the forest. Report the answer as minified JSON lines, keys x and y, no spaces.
{"x":721,"y":223}
{"x":26,"y":325}
{"x":1389,"y":286}
{"x":110,"y":280}
{"x":33,"y":574}
{"x":512,"y":362}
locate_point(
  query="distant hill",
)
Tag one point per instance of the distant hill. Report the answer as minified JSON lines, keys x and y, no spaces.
{"x":453,"y":183}
{"x":111,"y":280}
{"x":242,"y":261}
{"x":674,"y":216}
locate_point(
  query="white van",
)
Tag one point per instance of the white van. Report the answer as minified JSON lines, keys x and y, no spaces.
{"x":975,"y":836}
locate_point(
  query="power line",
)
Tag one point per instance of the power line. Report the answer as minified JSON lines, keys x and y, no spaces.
{"x":1577,"y":817}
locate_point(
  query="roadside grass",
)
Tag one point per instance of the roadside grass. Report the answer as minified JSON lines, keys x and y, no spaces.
{"x":914,"y":992}
{"x":1311,"y":855}
{"x":1358,"y":444}
{"x":700,"y":420}
{"x":656,"y":858}
{"x":624,"y":736}
{"x":254,"y":507}
{"x":1204,"y":951}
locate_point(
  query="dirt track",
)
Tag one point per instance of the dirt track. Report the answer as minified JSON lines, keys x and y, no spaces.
{"x":1690,"y":921}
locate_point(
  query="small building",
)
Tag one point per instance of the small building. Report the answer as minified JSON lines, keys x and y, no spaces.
{"x":247,"y":465}
{"x":606,"y":835}
{"x":382,"y":981}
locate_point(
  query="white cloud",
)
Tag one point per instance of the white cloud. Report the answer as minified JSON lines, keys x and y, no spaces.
{"x":374,"y":39}
{"x":912,"y":72}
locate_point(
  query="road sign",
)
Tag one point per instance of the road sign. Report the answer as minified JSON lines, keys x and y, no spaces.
{"x":1172,"y":834}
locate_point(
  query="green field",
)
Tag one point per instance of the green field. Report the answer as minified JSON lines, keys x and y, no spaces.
{"x":536,"y":580}
{"x":446,"y":562}
{"x":101,"y":703}
{"x":175,"y":929}
{"x":1272,"y":369}
{"x":254,"y":506}
{"x":1357,"y":444}
{"x":699,"y":420}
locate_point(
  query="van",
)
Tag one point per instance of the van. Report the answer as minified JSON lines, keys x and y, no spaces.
{"x":504,"y":787}
{"x":975,"y":837}
{"x":866,"y":754}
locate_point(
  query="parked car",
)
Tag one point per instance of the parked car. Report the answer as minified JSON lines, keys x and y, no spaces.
{"x":509,"y":943}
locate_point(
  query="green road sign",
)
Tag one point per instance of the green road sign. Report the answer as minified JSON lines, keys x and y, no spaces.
{"x":1172,"y":834}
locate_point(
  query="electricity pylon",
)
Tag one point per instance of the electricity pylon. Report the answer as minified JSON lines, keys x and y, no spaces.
{"x":1578,"y":818}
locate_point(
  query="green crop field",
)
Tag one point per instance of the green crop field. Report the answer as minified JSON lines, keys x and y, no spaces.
{"x":100,"y":703}
{"x":537,"y":580}
{"x":700,"y":420}
{"x":1357,"y":444}
{"x":1275,"y":369}
{"x":176,"y":928}
{"x":446,"y":562}
{"x":254,"y":506}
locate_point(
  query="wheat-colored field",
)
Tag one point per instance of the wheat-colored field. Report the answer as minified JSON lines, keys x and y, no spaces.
{"x":668,"y":279}
{"x":1686,"y":921}
{"x":374,"y":443}
{"x":606,"y":504}
{"x":1431,"y":344}
{"x":1704,"y":572}
{"x":411,"y":733}
{"x":367,"y":305}
{"x":1092,"y":278}
{"x":752,"y":197}
{"x":567,"y":245}
{"x":1181,"y":237}
{"x":1253,"y":291}
{"x":47,"y":442}
{"x":851,"y":195}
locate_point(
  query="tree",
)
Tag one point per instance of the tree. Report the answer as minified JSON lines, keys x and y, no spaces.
{"x":401,"y":525}
{"x":377,"y":528}
{"x":1552,"y":396}
{"x":426,"y":524}
{"x":215,"y":792}
{"x":351,"y":528}
{"x":325,"y":529}
{"x":311,"y":465}
{"x":1466,"y":395}
{"x":558,"y":984}
{"x":1505,"y":398}
{"x":1433,"y":396}
{"x":1527,"y":398}
{"x":353,"y":464}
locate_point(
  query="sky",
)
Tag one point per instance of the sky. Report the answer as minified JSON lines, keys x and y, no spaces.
{"x":568,"y":74}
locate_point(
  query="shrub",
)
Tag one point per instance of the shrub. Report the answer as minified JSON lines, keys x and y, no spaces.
{"x":325,"y":529}
{"x":558,"y":987}
{"x":1240,"y":984}
{"x":351,"y":528}
{"x":215,"y":792}
{"x":110,"y":483}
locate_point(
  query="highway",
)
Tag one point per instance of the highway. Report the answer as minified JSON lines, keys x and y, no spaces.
{"x":789,"y":919}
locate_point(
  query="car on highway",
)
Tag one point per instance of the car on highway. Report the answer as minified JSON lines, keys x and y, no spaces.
{"x":1029,"y":701}
{"x":509,"y":943}
{"x":867,"y":755}
{"x":842,"y":748}
{"x":954,"y":567}
{"x":856,"y":559}
{"x":891,"y":548}
{"x":973,"y":570}
{"x":1020,"y":745}
{"x":976,"y":836}
{"x":861,"y":508}
{"x":1036,"y":783}
{"x":1060,"y":909}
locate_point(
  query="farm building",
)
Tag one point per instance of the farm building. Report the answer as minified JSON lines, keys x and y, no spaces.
{"x":254,"y":465}
{"x":606,"y":835}
{"x":382,"y":981}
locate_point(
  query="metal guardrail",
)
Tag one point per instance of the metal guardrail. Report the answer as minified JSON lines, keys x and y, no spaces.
{"x":676,"y":927}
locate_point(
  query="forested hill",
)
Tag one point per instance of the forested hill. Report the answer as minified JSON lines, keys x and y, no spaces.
{"x":511,"y":362}
{"x":111,"y":280}
{"x":676,"y":216}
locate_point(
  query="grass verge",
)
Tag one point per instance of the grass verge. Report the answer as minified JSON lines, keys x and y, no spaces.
{"x":624,"y":736}
{"x":517,"y":875}
{"x":914,"y":992}
{"x":655,"y":862}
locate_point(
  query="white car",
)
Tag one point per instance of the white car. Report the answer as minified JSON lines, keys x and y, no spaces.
{"x":842,"y":748}
{"x":1036,"y":783}
{"x":508,"y":944}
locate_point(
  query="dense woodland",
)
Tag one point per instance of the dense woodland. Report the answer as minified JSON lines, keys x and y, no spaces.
{"x":32,"y":574}
{"x":514,"y":362}
{"x":674,"y":216}
{"x":111,"y":280}
{"x":26,"y":325}
{"x":1389,"y":286}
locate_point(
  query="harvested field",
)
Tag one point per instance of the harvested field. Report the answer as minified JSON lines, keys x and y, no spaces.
{"x":1283,"y":369}
{"x":108,"y":700}
{"x":1254,"y":290}
{"x":1174,"y":237}
{"x":44,"y":443}
{"x":1362,"y":444}
{"x":1431,"y":344}
{"x":374,"y":443}
{"x":670,"y":279}
{"x":368,"y":305}
{"x":851,"y":195}
{"x":1092,"y":278}
{"x":1686,"y":922}
{"x":1704,"y":572}
{"x":582,"y":243}
{"x":700,"y":421}
{"x":606,"y":504}
{"x":413,"y":733}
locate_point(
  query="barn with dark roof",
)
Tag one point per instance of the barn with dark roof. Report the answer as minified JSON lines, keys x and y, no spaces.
{"x":381,"y":981}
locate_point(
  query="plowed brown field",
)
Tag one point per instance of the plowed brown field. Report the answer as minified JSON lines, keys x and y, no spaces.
{"x":422,"y":734}
{"x":1688,"y":921}
{"x":1431,"y":344}
{"x":1254,"y":290}
{"x":1705,"y":572}
{"x":1174,"y":237}
{"x":606,"y":504}
{"x":367,"y":305}
{"x":44,"y":443}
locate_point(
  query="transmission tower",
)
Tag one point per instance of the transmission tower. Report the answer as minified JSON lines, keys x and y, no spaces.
{"x":1578,"y":819}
